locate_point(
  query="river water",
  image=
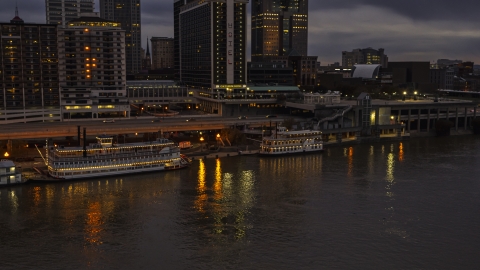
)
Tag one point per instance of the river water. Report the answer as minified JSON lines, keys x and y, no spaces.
{"x":400,"y":205}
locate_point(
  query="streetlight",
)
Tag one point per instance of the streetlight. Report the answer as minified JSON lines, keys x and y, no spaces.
{"x":403,"y":98}
{"x":201,"y":142}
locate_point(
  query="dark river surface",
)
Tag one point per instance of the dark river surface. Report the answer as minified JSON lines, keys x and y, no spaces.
{"x":408,"y":205}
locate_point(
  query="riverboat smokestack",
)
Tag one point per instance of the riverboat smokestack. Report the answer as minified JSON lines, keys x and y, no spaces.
{"x":84,"y":142}
{"x":78,"y":134}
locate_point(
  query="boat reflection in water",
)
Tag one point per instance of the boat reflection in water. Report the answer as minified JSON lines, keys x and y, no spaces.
{"x":339,"y":209}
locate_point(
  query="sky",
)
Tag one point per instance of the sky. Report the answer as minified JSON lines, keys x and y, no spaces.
{"x":408,"y":30}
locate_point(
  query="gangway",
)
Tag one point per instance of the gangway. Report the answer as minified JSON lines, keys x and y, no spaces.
{"x":40,"y":152}
{"x":335,"y":116}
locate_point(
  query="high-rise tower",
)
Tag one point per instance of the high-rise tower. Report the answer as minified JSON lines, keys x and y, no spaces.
{"x":61,"y":11}
{"x":127,"y":13}
{"x":210,"y":47}
{"x":279,"y":26}
{"x":211,"y":38}
{"x":28,"y":72}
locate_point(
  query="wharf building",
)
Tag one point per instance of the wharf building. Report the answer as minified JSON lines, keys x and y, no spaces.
{"x":157,"y":97}
{"x":127,"y":13}
{"x":61,"y":11}
{"x":211,"y":55}
{"x":278,"y":26}
{"x":92,"y":73}
{"x":28,"y":72}
{"x":367,"y":56}
{"x":162,"y":52}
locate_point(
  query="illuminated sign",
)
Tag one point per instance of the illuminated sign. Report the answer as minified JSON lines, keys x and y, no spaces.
{"x":230,"y":86}
{"x":230,"y":41}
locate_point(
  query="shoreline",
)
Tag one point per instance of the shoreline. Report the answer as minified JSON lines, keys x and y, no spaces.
{"x":225,"y":154}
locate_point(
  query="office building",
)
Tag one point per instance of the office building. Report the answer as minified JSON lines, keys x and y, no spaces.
{"x":367,"y":56}
{"x":278,"y":26}
{"x":127,"y":13}
{"x":28,"y":72}
{"x":211,"y":37}
{"x":267,"y":73}
{"x":92,"y":69}
{"x":61,"y":11}
{"x":162,"y":52}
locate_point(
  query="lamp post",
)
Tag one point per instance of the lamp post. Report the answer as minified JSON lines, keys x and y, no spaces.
{"x":201,"y":142}
{"x":403,"y":98}
{"x":415,"y":95}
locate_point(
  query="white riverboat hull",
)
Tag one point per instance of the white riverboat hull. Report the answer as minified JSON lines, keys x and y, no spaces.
{"x":119,"y":172}
{"x":293,"y":152}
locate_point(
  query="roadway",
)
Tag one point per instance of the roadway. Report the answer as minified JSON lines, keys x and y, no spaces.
{"x":127,"y":126}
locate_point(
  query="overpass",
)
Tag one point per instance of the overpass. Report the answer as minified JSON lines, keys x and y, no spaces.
{"x":131,"y":126}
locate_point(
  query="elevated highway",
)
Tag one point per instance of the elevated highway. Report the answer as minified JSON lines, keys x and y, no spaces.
{"x":126,"y":126}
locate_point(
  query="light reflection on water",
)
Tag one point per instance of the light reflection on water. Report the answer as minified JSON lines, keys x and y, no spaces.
{"x":350,"y":207}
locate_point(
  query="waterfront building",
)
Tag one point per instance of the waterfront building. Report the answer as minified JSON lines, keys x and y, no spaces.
{"x":92,"y":69}
{"x":9,"y":174}
{"x":61,"y":11}
{"x":211,"y":38}
{"x":156,"y":96}
{"x":278,"y":26}
{"x":162,"y":52}
{"x":127,"y":14}
{"x":28,"y":72}
{"x":366,"y":56}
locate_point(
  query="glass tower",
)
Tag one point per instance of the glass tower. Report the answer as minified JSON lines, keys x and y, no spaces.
{"x":127,"y":13}
{"x":279,"y":26}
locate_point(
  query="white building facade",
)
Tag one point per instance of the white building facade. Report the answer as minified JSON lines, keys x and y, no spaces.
{"x":92,"y":70}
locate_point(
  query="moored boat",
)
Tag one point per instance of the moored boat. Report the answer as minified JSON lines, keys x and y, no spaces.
{"x":104,"y":158}
{"x":291,"y":142}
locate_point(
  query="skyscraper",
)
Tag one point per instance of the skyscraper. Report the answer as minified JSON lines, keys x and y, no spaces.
{"x":127,"y":13}
{"x":28,"y":72}
{"x":212,"y":42}
{"x":211,"y":39}
{"x":61,"y":11}
{"x":92,"y":73}
{"x":279,"y":26}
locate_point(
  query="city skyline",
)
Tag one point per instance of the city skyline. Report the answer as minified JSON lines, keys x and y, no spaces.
{"x":410,"y":30}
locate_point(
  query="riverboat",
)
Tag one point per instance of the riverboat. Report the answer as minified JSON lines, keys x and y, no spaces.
{"x":291,"y":142}
{"x":104,"y":158}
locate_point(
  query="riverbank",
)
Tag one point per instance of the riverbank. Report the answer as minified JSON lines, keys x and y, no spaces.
{"x":196,"y":153}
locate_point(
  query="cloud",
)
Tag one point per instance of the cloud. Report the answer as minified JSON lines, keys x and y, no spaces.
{"x":407,"y":30}
{"x":403,"y":38}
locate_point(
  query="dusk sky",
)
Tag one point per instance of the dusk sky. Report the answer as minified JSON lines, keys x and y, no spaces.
{"x":418,"y":30}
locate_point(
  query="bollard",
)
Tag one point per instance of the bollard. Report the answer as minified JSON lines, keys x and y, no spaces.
{"x":216,"y":156}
